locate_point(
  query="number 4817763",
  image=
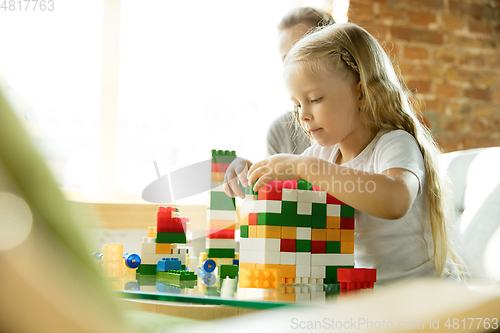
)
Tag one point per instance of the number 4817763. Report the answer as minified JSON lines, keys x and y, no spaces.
{"x":25,"y":5}
{"x":470,"y":323}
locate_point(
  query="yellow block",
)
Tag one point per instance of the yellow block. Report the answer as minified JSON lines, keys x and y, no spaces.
{"x":247,"y":265}
{"x":287,"y":271}
{"x":333,"y":222}
{"x":318,"y":234}
{"x":333,"y":235}
{"x":163,"y":248}
{"x":346,"y":235}
{"x":220,"y":224}
{"x":268,"y":231}
{"x":260,"y":278}
{"x":217,"y":177}
{"x":244,"y":220}
{"x":346,"y":247}
{"x":252,"y":231}
{"x":112,"y":253}
{"x":288,"y":232}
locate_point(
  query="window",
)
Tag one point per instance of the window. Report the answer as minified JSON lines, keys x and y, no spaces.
{"x":163,"y":81}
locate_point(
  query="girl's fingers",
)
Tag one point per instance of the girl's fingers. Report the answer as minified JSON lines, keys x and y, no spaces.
{"x":236,"y":188}
{"x":242,"y":175}
{"x":262,"y":181}
{"x":228,"y":190}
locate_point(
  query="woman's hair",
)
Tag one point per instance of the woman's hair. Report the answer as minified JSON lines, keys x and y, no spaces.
{"x":350,"y":51}
{"x":315,"y":16}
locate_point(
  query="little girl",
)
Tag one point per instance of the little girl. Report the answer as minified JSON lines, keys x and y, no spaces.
{"x":370,"y":152}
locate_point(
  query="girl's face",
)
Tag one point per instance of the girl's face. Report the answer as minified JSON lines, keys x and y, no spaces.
{"x":327,"y":104}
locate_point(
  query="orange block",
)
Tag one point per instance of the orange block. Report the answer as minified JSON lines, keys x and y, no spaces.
{"x":288,"y":232}
{"x":151,"y":232}
{"x":220,"y":225}
{"x":252,"y":231}
{"x":318,"y":234}
{"x":346,"y":235}
{"x":333,"y":235}
{"x":247,"y":265}
{"x":346,"y":247}
{"x":333,"y":222}
{"x":268,"y":231}
{"x":259,"y":278}
{"x":287,"y":271}
{"x":163,"y":248}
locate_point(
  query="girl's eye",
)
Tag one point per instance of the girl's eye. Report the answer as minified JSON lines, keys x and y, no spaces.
{"x":316,"y":100}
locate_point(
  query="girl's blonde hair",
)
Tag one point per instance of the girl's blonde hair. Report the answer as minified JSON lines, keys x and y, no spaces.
{"x":345,"y":48}
{"x":315,"y":16}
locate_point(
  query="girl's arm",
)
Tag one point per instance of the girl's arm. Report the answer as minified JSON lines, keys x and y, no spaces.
{"x":388,"y":195}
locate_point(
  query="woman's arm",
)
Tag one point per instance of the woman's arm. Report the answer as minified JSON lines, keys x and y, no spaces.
{"x":388,"y":195}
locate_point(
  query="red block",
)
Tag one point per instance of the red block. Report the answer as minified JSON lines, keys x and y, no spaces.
{"x":331,"y":200}
{"x":290,"y":184}
{"x":219,"y":167}
{"x":271,"y":191}
{"x":176,"y":225}
{"x":287,"y":245}
{"x":318,"y":246}
{"x":347,"y":223}
{"x":252,"y":219}
{"x":356,"y":278}
{"x":220,"y":234}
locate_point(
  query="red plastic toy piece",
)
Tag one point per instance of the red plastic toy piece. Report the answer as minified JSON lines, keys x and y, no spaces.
{"x":356,"y":278}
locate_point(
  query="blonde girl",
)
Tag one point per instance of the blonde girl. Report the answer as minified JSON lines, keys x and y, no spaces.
{"x":370,"y":152}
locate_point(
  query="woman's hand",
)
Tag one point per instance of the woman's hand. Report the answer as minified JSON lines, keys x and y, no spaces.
{"x":277,"y":167}
{"x":237,"y":170}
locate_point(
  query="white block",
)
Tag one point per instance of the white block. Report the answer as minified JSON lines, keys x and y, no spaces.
{"x":311,"y":196}
{"x":272,"y":258}
{"x":318,"y":272}
{"x":216,"y":187}
{"x":289,"y":194}
{"x":260,"y":244}
{"x":214,"y":243}
{"x":303,"y":258}
{"x":304,"y":280}
{"x":287,"y":258}
{"x":332,"y":210}
{"x":303,"y":298}
{"x":302,"y":271}
{"x":318,"y":297}
{"x":148,"y":248}
{"x":304,"y":208}
{"x":149,"y":240}
{"x":261,"y":206}
{"x":332,"y":259}
{"x":257,"y":257}
{"x":303,"y":233}
{"x":229,"y":215}
{"x":152,"y":259}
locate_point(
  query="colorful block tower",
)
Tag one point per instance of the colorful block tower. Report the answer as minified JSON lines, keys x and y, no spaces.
{"x":161,"y":241}
{"x":221,"y":214}
{"x":297,"y":228}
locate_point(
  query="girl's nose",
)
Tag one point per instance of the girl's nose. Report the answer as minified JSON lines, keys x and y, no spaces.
{"x":304,"y":114}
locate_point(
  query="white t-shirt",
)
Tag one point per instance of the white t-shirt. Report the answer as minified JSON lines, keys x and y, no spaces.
{"x":396,"y":248}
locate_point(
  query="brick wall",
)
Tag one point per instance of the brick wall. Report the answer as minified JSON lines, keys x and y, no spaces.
{"x":448,"y":51}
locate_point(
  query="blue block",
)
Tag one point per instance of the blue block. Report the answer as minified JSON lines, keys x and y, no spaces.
{"x":168,"y":264}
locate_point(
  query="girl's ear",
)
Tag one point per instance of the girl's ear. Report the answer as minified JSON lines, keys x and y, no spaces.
{"x":359,"y":90}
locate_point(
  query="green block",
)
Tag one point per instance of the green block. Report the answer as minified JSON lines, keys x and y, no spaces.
{"x":304,"y":185}
{"x":223,"y":156}
{"x":144,"y":269}
{"x":244,"y":231}
{"x":146,"y":279}
{"x":332,"y":247}
{"x":228,"y":271}
{"x":168,"y":237}
{"x":301,"y":221}
{"x":220,"y":253}
{"x":346,"y":211}
{"x":303,"y":245}
{"x":318,"y":209}
{"x":249,"y":191}
{"x":177,"y":275}
{"x":220,"y":201}
{"x":271,"y":219}
{"x":318,"y":222}
{"x":331,"y":272}
{"x":212,"y":291}
{"x":289,"y":208}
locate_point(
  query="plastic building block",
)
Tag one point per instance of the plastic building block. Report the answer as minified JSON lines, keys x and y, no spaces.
{"x":288,"y":245}
{"x":167,"y":264}
{"x":220,"y":253}
{"x":244,"y":231}
{"x":208,"y":266}
{"x":132,"y":260}
{"x":146,"y":269}
{"x":223,"y":156}
{"x":171,"y":238}
{"x":228,"y":271}
{"x":260,"y":278}
{"x":304,"y":185}
{"x":220,"y":201}
{"x":356,"y":278}
{"x":177,"y":275}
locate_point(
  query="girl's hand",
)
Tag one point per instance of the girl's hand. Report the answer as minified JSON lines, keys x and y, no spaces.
{"x":277,"y":167}
{"x":237,"y":170}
